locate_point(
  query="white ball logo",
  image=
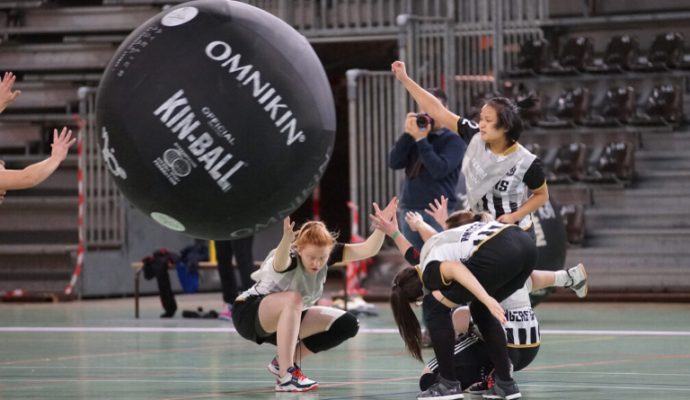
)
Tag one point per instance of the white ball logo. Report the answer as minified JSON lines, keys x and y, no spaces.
{"x":168,"y":221}
{"x":179,"y":16}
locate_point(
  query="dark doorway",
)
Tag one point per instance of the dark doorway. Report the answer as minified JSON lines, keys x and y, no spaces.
{"x":337,"y":58}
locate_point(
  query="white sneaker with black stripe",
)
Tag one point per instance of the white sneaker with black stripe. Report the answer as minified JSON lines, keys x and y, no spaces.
{"x":577,"y":280}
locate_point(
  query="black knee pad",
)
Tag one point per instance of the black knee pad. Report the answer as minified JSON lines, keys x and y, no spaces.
{"x":343,"y":328}
{"x":436,"y":314}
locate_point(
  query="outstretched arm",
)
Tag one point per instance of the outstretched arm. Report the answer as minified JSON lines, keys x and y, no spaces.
{"x":7,"y":95}
{"x":390,"y":227}
{"x":36,"y":173}
{"x":281,"y":260}
{"x":426,"y":101}
{"x":439,"y":211}
{"x":2,"y":192}
{"x":457,"y":271}
{"x":371,"y":246}
{"x":417,"y":224}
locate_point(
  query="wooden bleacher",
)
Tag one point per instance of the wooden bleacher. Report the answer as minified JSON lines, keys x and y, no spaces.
{"x":56,"y":57}
{"x":19,"y":137}
{"x":78,"y":20}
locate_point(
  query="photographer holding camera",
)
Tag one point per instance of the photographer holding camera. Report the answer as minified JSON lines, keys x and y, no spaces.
{"x":431,"y":155}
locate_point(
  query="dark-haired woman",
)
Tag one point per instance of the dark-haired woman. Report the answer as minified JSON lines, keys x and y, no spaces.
{"x":502,"y":177}
{"x":470,"y":357}
{"x":481,"y":262}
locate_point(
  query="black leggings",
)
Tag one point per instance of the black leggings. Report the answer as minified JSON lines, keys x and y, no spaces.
{"x":472,"y":364}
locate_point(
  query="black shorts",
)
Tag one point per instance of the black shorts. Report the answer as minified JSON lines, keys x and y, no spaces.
{"x":522,"y":356}
{"x":245,"y":317}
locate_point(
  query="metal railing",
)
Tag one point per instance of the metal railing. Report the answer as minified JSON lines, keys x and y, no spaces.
{"x":452,"y":44}
{"x":375,"y":121}
{"x":461,"y":50}
{"x":104,"y":214}
{"x":331,"y":19}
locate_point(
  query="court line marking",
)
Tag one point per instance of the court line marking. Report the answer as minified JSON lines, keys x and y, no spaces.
{"x":136,"y":329}
{"x":604,"y":387}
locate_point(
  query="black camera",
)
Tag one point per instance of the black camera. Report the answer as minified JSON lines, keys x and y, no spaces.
{"x":424,"y":120}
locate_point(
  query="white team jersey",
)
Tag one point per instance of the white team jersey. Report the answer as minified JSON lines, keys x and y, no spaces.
{"x":495,"y":181}
{"x":268,"y":281}
{"x":458,"y":244}
{"x":509,"y":194}
{"x":522,"y":328}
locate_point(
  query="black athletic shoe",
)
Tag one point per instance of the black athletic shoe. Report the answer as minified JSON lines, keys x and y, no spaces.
{"x":506,"y":390}
{"x":482,"y":386}
{"x":442,"y":390}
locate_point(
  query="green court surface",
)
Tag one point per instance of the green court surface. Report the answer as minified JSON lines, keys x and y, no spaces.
{"x":97,"y":350}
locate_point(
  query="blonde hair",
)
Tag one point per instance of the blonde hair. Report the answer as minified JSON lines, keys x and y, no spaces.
{"x":314,"y":233}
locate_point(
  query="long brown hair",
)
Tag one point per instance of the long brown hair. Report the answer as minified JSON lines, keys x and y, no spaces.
{"x":407,"y":288}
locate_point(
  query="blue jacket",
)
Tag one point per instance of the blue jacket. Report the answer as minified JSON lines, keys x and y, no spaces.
{"x":432,"y":167}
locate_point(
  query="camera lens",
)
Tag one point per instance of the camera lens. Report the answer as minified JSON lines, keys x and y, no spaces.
{"x":424,"y":120}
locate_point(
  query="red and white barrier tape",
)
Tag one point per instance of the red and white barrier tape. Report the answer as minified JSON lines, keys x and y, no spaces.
{"x":355,"y":269}
{"x":80,"y":182}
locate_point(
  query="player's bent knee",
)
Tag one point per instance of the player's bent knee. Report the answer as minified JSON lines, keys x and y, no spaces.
{"x":344,"y":327}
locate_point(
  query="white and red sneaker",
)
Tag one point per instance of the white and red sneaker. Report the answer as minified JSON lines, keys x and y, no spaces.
{"x":295,"y":381}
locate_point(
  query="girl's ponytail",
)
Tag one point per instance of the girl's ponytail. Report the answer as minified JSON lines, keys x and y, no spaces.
{"x":407,"y":288}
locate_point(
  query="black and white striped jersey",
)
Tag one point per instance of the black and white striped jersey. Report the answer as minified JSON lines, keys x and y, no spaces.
{"x":458,"y":243}
{"x":522,"y":328}
{"x":512,"y":190}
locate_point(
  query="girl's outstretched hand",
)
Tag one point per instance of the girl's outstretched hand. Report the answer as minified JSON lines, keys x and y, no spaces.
{"x":386,"y":223}
{"x":61,"y":143}
{"x":439,"y":210}
{"x":414,"y":220}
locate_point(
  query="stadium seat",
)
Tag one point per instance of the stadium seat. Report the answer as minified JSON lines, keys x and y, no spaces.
{"x":574,"y":219}
{"x":530,"y":116}
{"x":572,"y":108}
{"x":534,"y":55}
{"x":536,"y":149}
{"x":666,"y":52}
{"x":614,"y":163}
{"x":618,"y":107}
{"x":569,"y":164}
{"x":478,"y":102}
{"x":574,"y":57}
{"x":662,"y":107}
{"x":621,"y":52}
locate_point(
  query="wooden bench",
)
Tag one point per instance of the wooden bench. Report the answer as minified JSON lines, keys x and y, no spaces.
{"x":138,"y":267}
